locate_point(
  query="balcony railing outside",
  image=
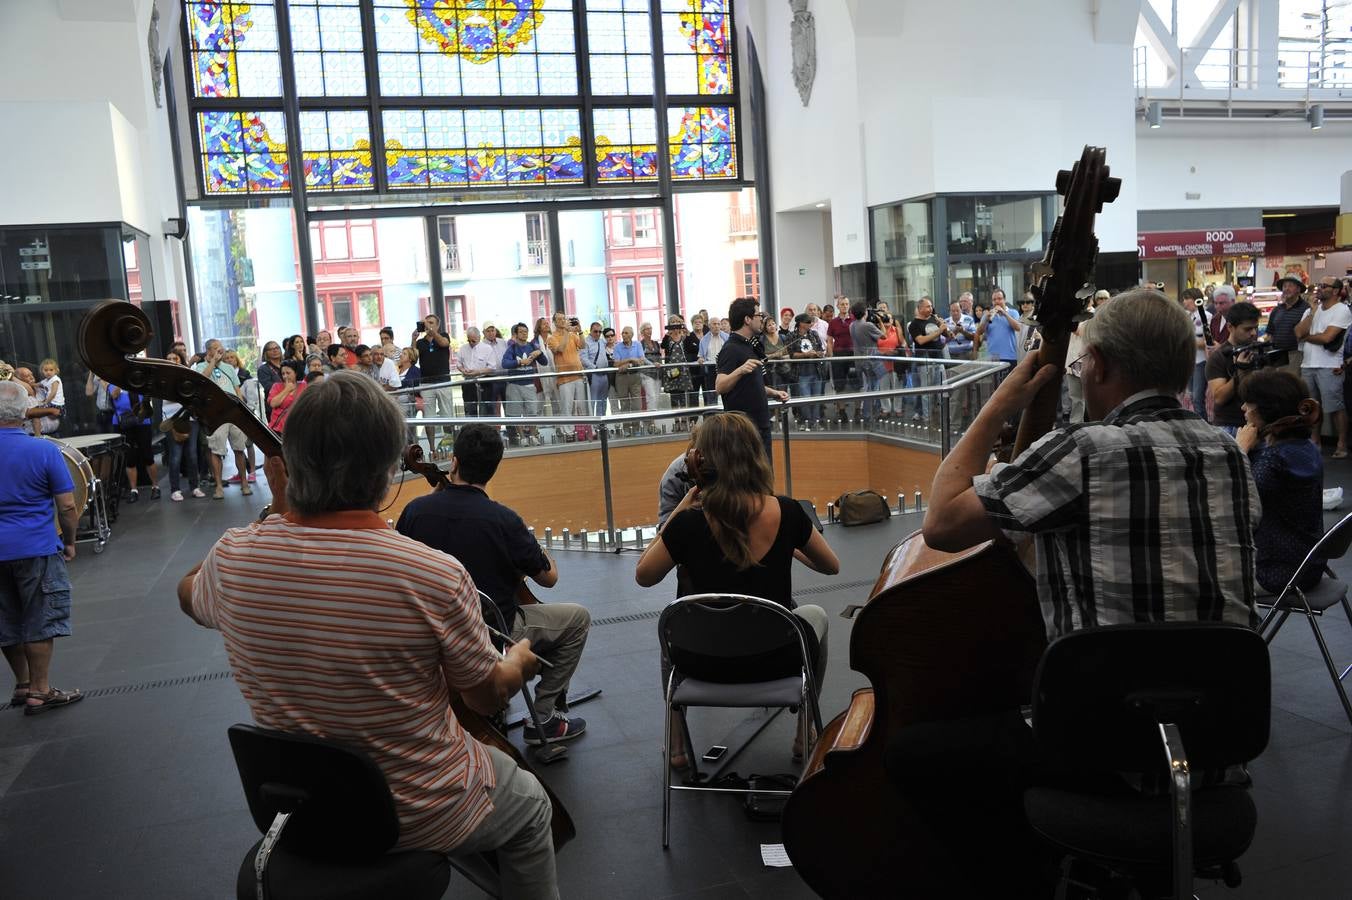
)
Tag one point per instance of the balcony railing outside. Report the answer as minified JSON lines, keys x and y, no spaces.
{"x":537,"y":252}
{"x":741,"y":221}
{"x":452,"y":260}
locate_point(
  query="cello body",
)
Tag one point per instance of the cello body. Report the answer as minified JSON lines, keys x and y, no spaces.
{"x":950,"y":653}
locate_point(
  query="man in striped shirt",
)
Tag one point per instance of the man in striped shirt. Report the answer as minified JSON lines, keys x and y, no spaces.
{"x":1143,"y":513}
{"x":375,"y":668}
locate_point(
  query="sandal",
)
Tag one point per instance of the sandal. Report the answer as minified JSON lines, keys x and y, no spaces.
{"x":155,"y":492}
{"x":1340,"y":453}
{"x":20,"y":695}
{"x":53,"y":699}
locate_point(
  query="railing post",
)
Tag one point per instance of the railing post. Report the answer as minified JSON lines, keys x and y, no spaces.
{"x":784,"y":416}
{"x":605,"y":480}
{"x":945,"y":423}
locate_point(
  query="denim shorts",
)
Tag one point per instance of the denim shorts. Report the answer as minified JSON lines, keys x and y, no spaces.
{"x":34,"y":600}
{"x":1325,"y":387}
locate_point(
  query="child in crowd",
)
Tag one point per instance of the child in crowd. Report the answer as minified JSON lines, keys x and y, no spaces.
{"x":54,"y":395}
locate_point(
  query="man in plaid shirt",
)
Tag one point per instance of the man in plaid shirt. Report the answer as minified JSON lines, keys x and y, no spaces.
{"x":1143,"y":513}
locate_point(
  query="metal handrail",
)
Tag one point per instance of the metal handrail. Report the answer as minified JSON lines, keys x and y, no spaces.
{"x":507,"y":376}
{"x":979,"y":371}
{"x":1248,"y":74}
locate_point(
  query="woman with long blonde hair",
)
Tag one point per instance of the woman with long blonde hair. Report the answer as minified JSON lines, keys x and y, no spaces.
{"x":733,"y":535}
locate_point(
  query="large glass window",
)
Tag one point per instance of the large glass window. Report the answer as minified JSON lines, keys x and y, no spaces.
{"x":495,"y":87}
{"x":903,"y":245}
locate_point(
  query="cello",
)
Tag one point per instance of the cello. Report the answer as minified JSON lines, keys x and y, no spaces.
{"x":110,"y":336}
{"x":943,"y":635}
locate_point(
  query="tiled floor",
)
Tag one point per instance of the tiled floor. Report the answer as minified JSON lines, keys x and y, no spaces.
{"x":133,"y":793}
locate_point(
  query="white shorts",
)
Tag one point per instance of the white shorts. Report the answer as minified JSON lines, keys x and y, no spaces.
{"x":230,"y":434}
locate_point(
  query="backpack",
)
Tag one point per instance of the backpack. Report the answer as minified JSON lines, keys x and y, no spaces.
{"x":862,"y":508}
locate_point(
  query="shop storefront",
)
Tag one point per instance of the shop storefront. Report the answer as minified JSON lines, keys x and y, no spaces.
{"x":1198,"y":257}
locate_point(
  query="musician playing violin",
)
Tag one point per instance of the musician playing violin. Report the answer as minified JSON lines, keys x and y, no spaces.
{"x":493,"y":544}
{"x":1144,"y":513}
{"x":374,"y":668}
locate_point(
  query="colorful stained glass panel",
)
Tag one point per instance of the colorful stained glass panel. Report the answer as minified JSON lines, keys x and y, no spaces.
{"x":243,"y":152}
{"x":703,"y":142}
{"x":233,"y":48}
{"x":337,"y":150}
{"x":480,"y":48}
{"x":626,"y":145}
{"x":697,"y":43}
{"x":482,"y":147}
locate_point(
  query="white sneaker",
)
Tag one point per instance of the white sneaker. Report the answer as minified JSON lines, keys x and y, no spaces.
{"x":176,"y":496}
{"x":197,"y":492}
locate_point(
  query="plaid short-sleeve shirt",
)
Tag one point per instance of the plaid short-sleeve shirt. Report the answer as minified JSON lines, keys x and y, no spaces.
{"x":1147,"y":516}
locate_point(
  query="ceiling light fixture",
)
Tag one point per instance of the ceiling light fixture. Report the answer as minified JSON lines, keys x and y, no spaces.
{"x":1154,"y":114}
{"x":820,"y":205}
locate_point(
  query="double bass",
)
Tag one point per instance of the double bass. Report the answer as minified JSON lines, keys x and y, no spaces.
{"x":112,"y":333}
{"x":943,"y":635}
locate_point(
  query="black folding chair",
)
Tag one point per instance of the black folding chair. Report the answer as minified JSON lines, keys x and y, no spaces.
{"x":1144,"y":721}
{"x":1312,"y":604}
{"x":731,"y":650}
{"x":328,"y":821}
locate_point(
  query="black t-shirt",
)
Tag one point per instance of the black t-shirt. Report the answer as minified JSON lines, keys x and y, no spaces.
{"x":920,"y":328}
{"x":434,"y":361}
{"x":488,"y":539}
{"x":691,"y":544}
{"x":1221,"y":364}
{"x":748,"y":394}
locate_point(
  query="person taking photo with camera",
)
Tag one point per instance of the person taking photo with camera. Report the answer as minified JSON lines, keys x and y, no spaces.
{"x":1322,"y":332}
{"x":1227,"y":368}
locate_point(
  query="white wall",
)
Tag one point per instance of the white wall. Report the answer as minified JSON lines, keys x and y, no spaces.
{"x":803,"y":258}
{"x":63,"y":65}
{"x":1241,"y":164}
{"x":914,"y":97}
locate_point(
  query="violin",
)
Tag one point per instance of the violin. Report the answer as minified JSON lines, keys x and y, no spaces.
{"x":110,"y":336}
{"x":943,"y":635}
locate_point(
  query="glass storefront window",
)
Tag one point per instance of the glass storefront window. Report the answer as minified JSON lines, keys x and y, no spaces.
{"x":997,"y":224}
{"x":903,"y":244}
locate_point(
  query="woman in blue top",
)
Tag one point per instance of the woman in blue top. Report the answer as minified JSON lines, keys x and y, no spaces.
{"x":1288,"y":472}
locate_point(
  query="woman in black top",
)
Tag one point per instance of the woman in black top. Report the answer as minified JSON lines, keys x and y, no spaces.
{"x":1289,"y":474}
{"x":733,"y":535}
{"x":295,"y":351}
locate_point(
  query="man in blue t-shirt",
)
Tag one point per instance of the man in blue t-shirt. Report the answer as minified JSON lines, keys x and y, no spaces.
{"x":34,"y":586}
{"x":1000,"y":329}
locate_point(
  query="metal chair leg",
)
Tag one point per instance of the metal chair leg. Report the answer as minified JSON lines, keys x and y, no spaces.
{"x":1180,"y":797}
{"x":549,"y":751}
{"x":666,"y":774}
{"x":1333,"y":669}
{"x":1271,"y":633}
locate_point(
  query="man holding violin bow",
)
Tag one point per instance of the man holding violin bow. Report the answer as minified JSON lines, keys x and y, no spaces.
{"x":376,"y":668}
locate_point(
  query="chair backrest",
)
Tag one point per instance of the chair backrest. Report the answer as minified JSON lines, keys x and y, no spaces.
{"x":1100,"y":694}
{"x":733,"y":639}
{"x":341,"y":803}
{"x":1333,"y":545}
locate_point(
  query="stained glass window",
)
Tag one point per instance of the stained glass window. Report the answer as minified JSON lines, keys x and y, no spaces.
{"x":697,"y":44}
{"x":233,"y":49}
{"x":626,"y":145}
{"x":326,"y":42}
{"x":620,"y":46}
{"x":337,"y":150}
{"x":482,"y":147}
{"x":476,"y":48}
{"x":243,"y":152}
{"x":702,"y":142}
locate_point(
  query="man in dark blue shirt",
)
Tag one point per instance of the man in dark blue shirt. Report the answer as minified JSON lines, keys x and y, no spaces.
{"x":34,"y":586}
{"x":492,"y":543}
{"x":741,"y":370}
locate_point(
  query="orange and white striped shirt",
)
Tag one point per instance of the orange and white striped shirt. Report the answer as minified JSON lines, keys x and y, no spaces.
{"x":364,"y":658}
